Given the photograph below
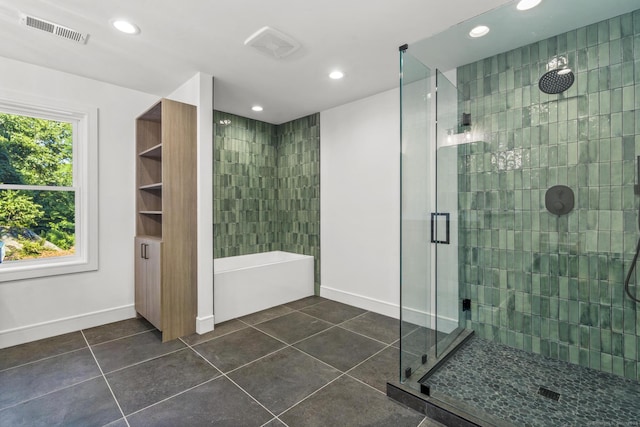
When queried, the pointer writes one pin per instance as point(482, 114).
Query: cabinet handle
point(146, 255)
point(142, 250)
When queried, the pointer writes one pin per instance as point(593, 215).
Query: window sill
point(41, 268)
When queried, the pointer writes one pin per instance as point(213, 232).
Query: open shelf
point(154, 152)
point(156, 186)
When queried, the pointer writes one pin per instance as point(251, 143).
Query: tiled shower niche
point(266, 187)
point(553, 285)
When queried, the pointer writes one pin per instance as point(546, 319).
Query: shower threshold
point(492, 384)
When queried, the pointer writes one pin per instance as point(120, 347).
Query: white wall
point(199, 91)
point(360, 203)
point(33, 309)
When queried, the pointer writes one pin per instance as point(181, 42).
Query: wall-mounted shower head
point(558, 77)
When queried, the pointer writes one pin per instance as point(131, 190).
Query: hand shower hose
point(628, 279)
point(636, 190)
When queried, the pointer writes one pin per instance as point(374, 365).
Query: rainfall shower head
point(558, 77)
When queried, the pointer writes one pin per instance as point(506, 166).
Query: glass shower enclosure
point(519, 219)
point(429, 273)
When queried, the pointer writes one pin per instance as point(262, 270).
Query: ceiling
point(453, 47)
point(360, 37)
point(180, 38)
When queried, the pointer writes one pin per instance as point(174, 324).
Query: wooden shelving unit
point(166, 230)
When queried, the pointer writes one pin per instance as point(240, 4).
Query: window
point(48, 186)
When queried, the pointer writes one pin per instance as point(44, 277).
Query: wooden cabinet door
point(140, 277)
point(148, 280)
point(153, 283)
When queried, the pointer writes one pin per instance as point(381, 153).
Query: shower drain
point(549, 394)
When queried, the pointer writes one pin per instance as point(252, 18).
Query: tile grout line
point(287, 345)
point(293, 348)
point(49, 392)
point(174, 395)
point(81, 331)
point(368, 358)
point(215, 338)
point(293, 310)
point(119, 338)
point(342, 374)
point(292, 345)
point(249, 363)
point(363, 335)
point(146, 360)
point(106, 381)
point(232, 381)
point(44, 358)
point(331, 326)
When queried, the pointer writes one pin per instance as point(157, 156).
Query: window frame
point(84, 122)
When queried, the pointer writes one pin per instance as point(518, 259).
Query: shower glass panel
point(429, 261)
point(449, 134)
point(417, 302)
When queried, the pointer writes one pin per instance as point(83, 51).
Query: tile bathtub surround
point(245, 186)
point(267, 187)
point(546, 284)
point(243, 375)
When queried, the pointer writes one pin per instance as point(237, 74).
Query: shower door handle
point(436, 219)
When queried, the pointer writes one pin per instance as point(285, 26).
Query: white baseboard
point(24, 334)
point(417, 317)
point(204, 324)
point(361, 301)
point(428, 320)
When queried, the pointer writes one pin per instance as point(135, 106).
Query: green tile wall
point(244, 186)
point(547, 284)
point(267, 187)
point(299, 188)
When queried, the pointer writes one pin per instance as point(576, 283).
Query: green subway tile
point(531, 262)
point(595, 343)
point(606, 362)
point(630, 369)
point(630, 347)
point(617, 344)
point(605, 341)
point(614, 28)
point(617, 366)
point(627, 73)
point(628, 98)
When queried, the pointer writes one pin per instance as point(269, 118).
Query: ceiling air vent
point(272, 42)
point(53, 28)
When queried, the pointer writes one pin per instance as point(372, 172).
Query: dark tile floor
point(313, 362)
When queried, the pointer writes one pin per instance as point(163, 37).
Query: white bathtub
point(248, 283)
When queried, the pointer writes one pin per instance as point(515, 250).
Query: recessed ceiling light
point(125, 26)
point(479, 31)
point(336, 75)
point(257, 108)
point(527, 4)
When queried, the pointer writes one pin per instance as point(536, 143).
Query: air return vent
point(272, 43)
point(53, 28)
